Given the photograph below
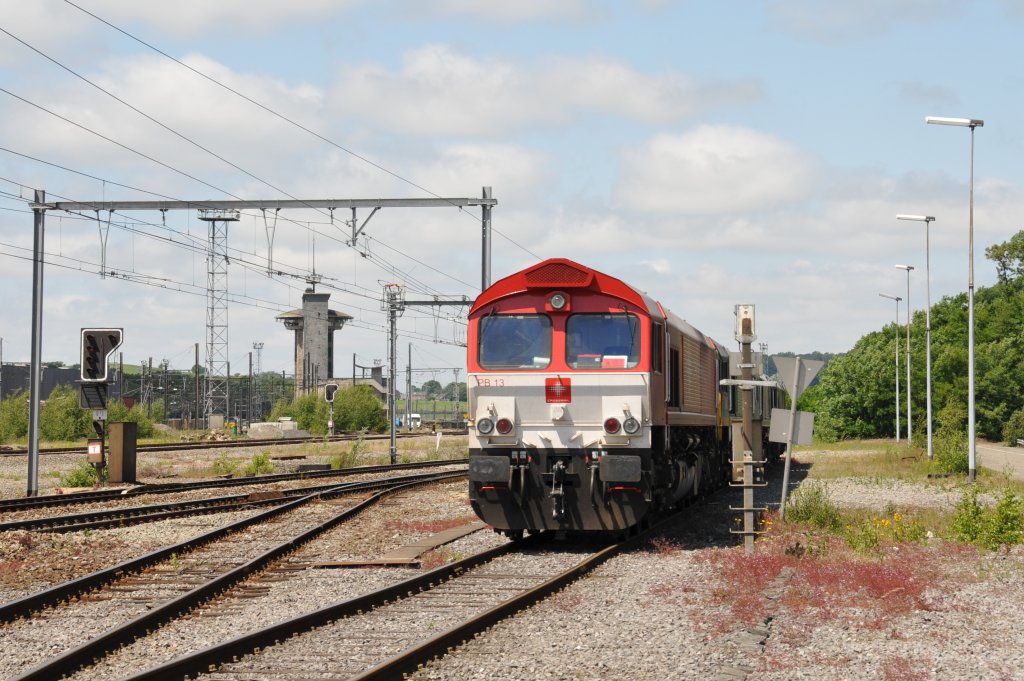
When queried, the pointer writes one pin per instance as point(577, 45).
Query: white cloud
point(191, 17)
point(440, 91)
point(713, 170)
point(519, 11)
point(827, 21)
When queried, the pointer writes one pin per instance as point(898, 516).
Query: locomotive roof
point(564, 274)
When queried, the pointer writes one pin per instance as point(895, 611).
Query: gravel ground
point(689, 604)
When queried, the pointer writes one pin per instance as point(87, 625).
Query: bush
point(83, 475)
point(61, 419)
point(355, 409)
point(14, 417)
point(1014, 428)
point(224, 465)
point(989, 527)
point(951, 438)
point(260, 464)
point(118, 412)
point(358, 408)
point(811, 504)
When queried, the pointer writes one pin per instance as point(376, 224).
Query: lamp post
point(897, 299)
point(972, 445)
point(908, 268)
point(927, 220)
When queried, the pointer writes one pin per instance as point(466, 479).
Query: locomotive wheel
point(514, 535)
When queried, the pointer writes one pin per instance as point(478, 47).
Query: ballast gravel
point(687, 604)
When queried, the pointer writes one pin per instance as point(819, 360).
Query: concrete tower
point(314, 326)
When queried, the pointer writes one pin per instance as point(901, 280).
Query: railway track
point(396, 629)
point(142, 594)
point(228, 444)
point(103, 495)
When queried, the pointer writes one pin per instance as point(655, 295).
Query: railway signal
point(97, 345)
point(329, 391)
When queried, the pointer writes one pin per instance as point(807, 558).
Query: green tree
point(358, 408)
point(856, 395)
point(14, 417)
point(1008, 257)
point(60, 417)
point(310, 412)
point(454, 392)
point(432, 390)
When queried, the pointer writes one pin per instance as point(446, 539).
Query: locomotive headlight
point(484, 426)
point(504, 426)
point(558, 301)
point(631, 426)
point(612, 425)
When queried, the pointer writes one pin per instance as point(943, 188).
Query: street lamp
point(897, 299)
point(972, 451)
point(927, 220)
point(909, 313)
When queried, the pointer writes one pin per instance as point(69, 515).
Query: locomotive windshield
point(521, 341)
point(602, 341)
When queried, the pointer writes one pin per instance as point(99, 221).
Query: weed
point(869, 534)
point(567, 601)
point(350, 459)
point(224, 465)
point(902, 669)
point(11, 568)
point(83, 475)
point(260, 464)
point(434, 559)
point(989, 528)
point(665, 547)
point(26, 541)
point(811, 504)
point(426, 526)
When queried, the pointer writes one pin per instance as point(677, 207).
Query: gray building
point(314, 326)
point(16, 376)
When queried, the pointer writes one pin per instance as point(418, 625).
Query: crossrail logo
point(558, 390)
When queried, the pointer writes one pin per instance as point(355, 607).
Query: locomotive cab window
point(514, 341)
point(602, 341)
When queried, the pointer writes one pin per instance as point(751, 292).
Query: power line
point(288, 120)
point(383, 265)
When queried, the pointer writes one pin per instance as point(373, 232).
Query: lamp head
point(916, 218)
point(962, 122)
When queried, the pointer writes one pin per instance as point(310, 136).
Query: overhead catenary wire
point(288, 120)
point(192, 242)
point(387, 267)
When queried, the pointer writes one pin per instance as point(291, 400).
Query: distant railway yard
point(879, 571)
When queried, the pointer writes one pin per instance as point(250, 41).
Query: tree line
point(855, 397)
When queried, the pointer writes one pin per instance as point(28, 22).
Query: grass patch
point(875, 460)
point(350, 458)
point(224, 465)
point(82, 475)
point(260, 464)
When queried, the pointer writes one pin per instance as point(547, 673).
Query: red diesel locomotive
point(590, 405)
